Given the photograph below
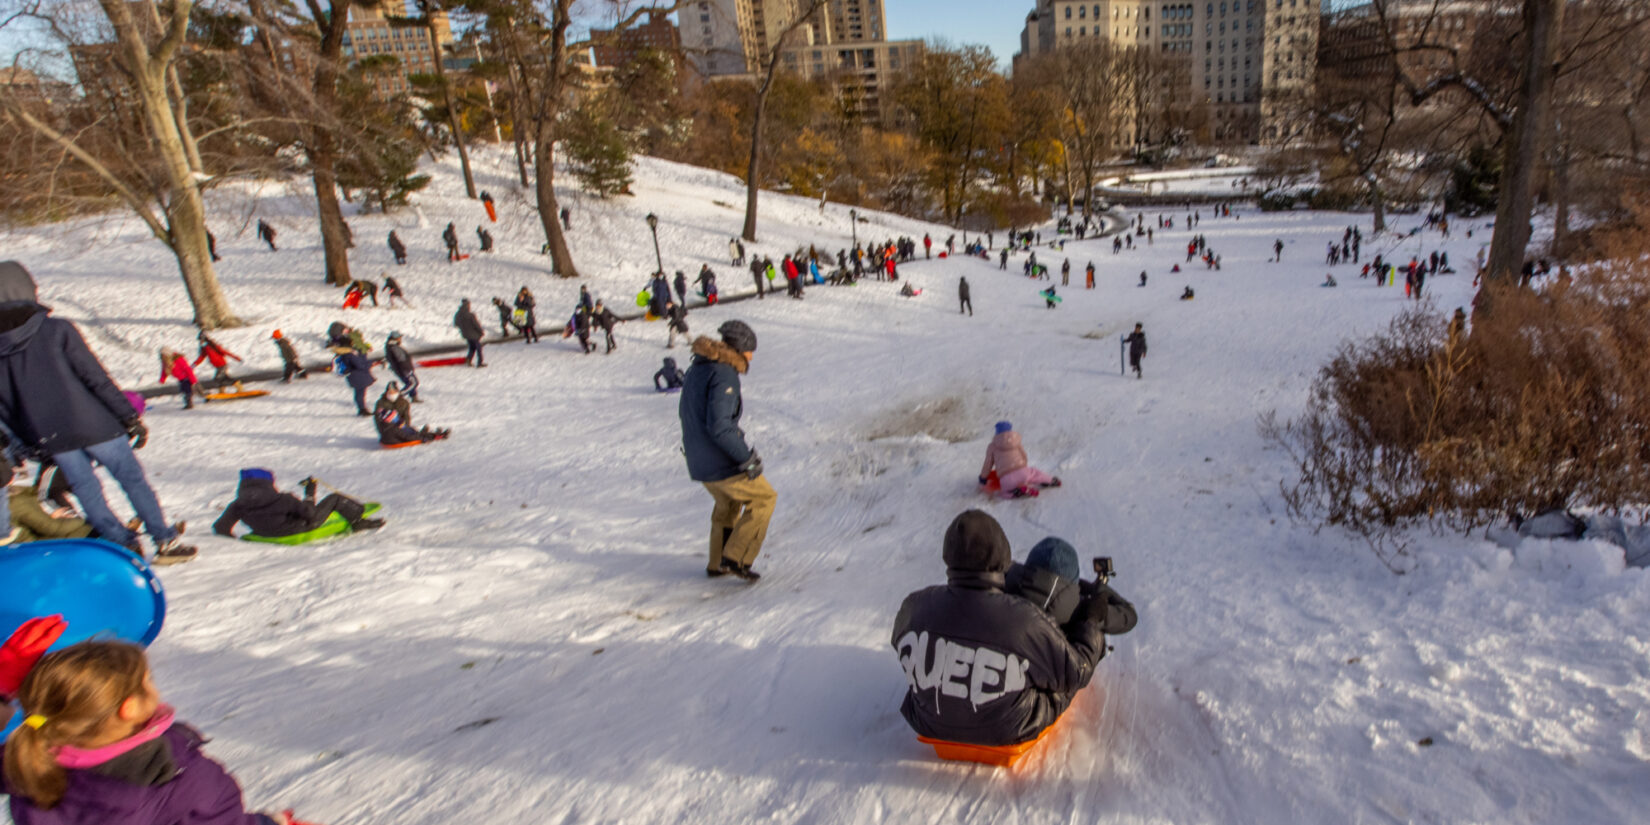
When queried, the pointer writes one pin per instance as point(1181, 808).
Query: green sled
point(333, 526)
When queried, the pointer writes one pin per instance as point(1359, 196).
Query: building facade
point(1246, 61)
point(370, 34)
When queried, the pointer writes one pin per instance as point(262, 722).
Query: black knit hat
point(975, 542)
point(739, 335)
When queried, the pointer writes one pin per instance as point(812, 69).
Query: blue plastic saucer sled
point(101, 589)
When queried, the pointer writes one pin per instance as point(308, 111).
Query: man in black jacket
point(717, 455)
point(397, 248)
point(962, 295)
point(1137, 344)
point(402, 365)
point(988, 668)
point(272, 514)
point(470, 328)
point(57, 401)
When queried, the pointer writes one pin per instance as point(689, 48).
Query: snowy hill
point(532, 640)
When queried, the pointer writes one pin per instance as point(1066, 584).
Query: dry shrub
point(1543, 403)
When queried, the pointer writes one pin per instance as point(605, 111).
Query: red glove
point(24, 648)
point(287, 816)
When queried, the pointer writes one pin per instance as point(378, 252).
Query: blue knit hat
point(257, 472)
point(1055, 556)
point(1003, 427)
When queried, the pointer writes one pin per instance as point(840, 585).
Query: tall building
point(1242, 59)
point(369, 34)
point(1351, 42)
point(843, 39)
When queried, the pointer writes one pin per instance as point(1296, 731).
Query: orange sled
point(1003, 756)
point(402, 444)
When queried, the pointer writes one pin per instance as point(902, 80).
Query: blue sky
point(994, 23)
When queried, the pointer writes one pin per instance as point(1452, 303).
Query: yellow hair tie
point(34, 721)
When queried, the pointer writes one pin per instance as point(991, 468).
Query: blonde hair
point(77, 690)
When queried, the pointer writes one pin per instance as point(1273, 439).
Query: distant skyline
point(992, 23)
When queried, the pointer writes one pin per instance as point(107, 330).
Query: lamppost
point(653, 225)
point(853, 220)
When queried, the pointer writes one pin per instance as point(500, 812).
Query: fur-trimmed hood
point(714, 350)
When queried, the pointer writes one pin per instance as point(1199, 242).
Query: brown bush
point(1543, 403)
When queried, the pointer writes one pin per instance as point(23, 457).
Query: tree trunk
point(1543, 23)
point(1561, 202)
point(322, 146)
point(521, 154)
point(1378, 201)
point(453, 121)
point(754, 166)
point(185, 213)
point(544, 167)
point(323, 161)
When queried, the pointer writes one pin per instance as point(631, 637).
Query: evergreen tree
point(597, 152)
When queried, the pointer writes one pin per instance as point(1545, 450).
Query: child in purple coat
point(98, 747)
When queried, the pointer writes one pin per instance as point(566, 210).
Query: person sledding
point(393, 415)
point(1005, 457)
point(909, 291)
point(988, 668)
point(273, 514)
point(214, 352)
point(97, 745)
point(668, 378)
point(29, 519)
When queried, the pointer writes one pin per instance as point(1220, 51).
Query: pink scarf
point(72, 757)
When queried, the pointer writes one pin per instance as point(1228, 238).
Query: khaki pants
point(739, 522)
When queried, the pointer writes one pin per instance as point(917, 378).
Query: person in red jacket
point(214, 352)
point(173, 364)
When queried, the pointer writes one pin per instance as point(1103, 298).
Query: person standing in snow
point(470, 328)
point(1137, 342)
point(581, 327)
point(486, 239)
point(658, 291)
point(1277, 250)
point(733, 252)
point(1088, 276)
point(1065, 273)
point(706, 283)
point(57, 402)
point(676, 323)
point(585, 300)
point(964, 303)
point(525, 303)
point(402, 364)
point(353, 365)
point(398, 249)
point(449, 236)
point(266, 233)
point(566, 219)
point(1027, 665)
point(505, 317)
point(680, 284)
point(718, 455)
point(174, 365)
point(605, 319)
point(214, 352)
point(289, 359)
point(1002, 260)
point(927, 246)
point(756, 275)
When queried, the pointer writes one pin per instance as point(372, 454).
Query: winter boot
point(366, 524)
point(173, 551)
point(1023, 492)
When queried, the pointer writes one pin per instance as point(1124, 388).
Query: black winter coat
point(468, 325)
point(962, 289)
point(268, 511)
point(399, 360)
point(710, 408)
point(1137, 345)
point(54, 394)
point(288, 354)
point(985, 667)
point(1056, 595)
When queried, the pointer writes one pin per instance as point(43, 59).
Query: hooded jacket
point(167, 779)
point(1005, 455)
point(400, 362)
point(394, 420)
point(54, 394)
point(357, 369)
point(33, 523)
point(268, 511)
point(985, 667)
point(710, 408)
point(468, 325)
point(1056, 595)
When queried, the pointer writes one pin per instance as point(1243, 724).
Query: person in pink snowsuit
point(1008, 459)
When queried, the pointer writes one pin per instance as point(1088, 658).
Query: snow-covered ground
point(531, 639)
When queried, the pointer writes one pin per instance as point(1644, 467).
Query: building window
point(1082, 31)
point(1068, 12)
point(1082, 12)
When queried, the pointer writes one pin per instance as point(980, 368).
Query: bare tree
point(770, 65)
point(171, 206)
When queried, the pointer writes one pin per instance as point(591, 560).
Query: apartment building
point(370, 34)
point(1244, 60)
